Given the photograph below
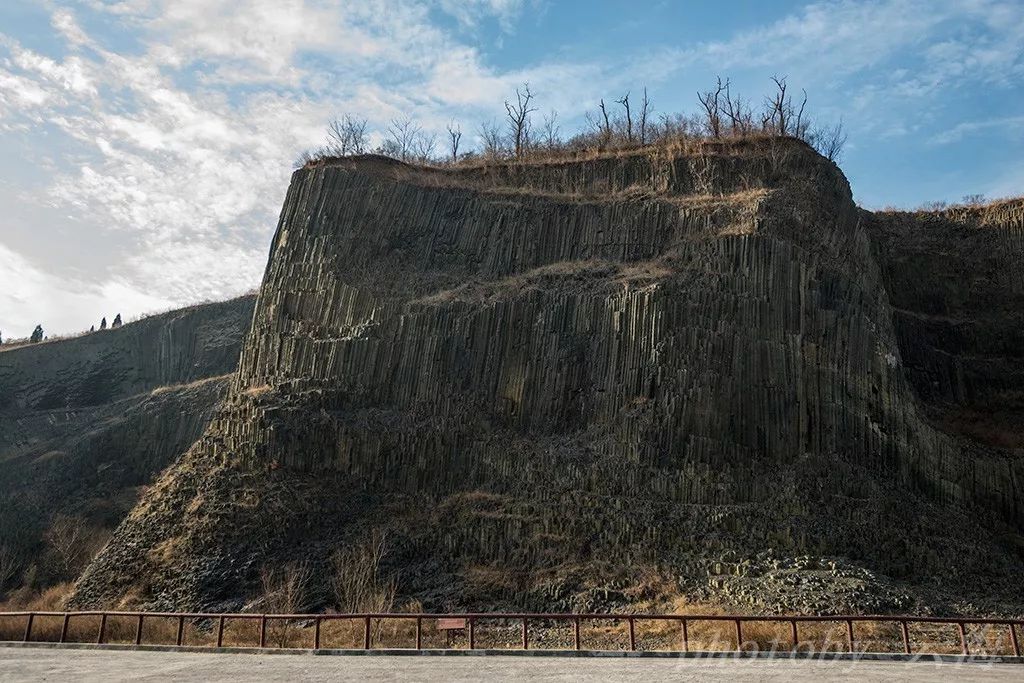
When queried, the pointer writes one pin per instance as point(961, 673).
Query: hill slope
point(548, 383)
point(87, 423)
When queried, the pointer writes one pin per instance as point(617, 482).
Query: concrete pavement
point(37, 664)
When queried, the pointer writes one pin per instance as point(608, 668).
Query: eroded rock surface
point(86, 423)
point(539, 378)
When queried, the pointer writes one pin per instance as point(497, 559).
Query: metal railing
point(216, 622)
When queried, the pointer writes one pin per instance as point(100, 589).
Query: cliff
point(87, 423)
point(544, 381)
point(957, 292)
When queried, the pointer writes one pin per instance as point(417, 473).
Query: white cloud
point(31, 296)
point(471, 12)
point(179, 147)
point(1008, 125)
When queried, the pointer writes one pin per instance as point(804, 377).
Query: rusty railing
point(468, 624)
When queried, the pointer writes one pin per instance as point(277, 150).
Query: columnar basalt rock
point(86, 423)
point(679, 358)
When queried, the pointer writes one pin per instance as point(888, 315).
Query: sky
point(146, 145)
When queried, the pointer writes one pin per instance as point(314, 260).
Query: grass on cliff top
point(979, 210)
point(684, 145)
point(22, 342)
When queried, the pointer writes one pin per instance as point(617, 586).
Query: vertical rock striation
point(676, 357)
point(86, 423)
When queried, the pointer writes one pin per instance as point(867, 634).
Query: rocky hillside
point(956, 287)
point(87, 423)
point(546, 384)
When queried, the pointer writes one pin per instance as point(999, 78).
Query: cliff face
point(87, 423)
point(541, 378)
point(957, 291)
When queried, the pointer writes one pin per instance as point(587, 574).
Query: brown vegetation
point(723, 114)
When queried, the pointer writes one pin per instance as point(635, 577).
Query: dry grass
point(190, 385)
point(257, 391)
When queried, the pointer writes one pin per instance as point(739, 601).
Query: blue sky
point(146, 145)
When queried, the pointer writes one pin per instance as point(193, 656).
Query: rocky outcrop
point(680, 359)
point(957, 293)
point(87, 423)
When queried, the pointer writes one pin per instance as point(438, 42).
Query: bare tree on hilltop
point(519, 119)
point(780, 116)
point(346, 135)
point(624, 101)
point(454, 136)
point(549, 128)
point(723, 113)
point(401, 139)
point(713, 108)
point(490, 137)
point(645, 112)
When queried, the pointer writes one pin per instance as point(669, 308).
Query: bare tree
point(672, 126)
point(346, 135)
point(645, 112)
point(304, 158)
point(358, 582)
point(780, 116)
point(739, 114)
point(712, 108)
point(624, 101)
point(973, 199)
point(829, 141)
point(602, 125)
point(550, 129)
point(423, 146)
point(491, 140)
point(454, 136)
point(519, 119)
point(284, 591)
point(401, 139)
point(72, 543)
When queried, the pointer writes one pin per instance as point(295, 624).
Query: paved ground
point(85, 665)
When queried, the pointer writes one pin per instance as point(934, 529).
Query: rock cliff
point(543, 380)
point(86, 423)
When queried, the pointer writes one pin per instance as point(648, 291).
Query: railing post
point(103, 628)
point(796, 637)
point(263, 630)
point(181, 630)
point(963, 638)
point(632, 635)
point(419, 633)
point(576, 632)
point(366, 633)
point(28, 626)
point(472, 634)
point(220, 631)
point(849, 633)
point(138, 630)
point(686, 637)
point(526, 637)
point(739, 636)
point(1013, 639)
point(906, 636)
point(64, 628)
point(316, 634)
